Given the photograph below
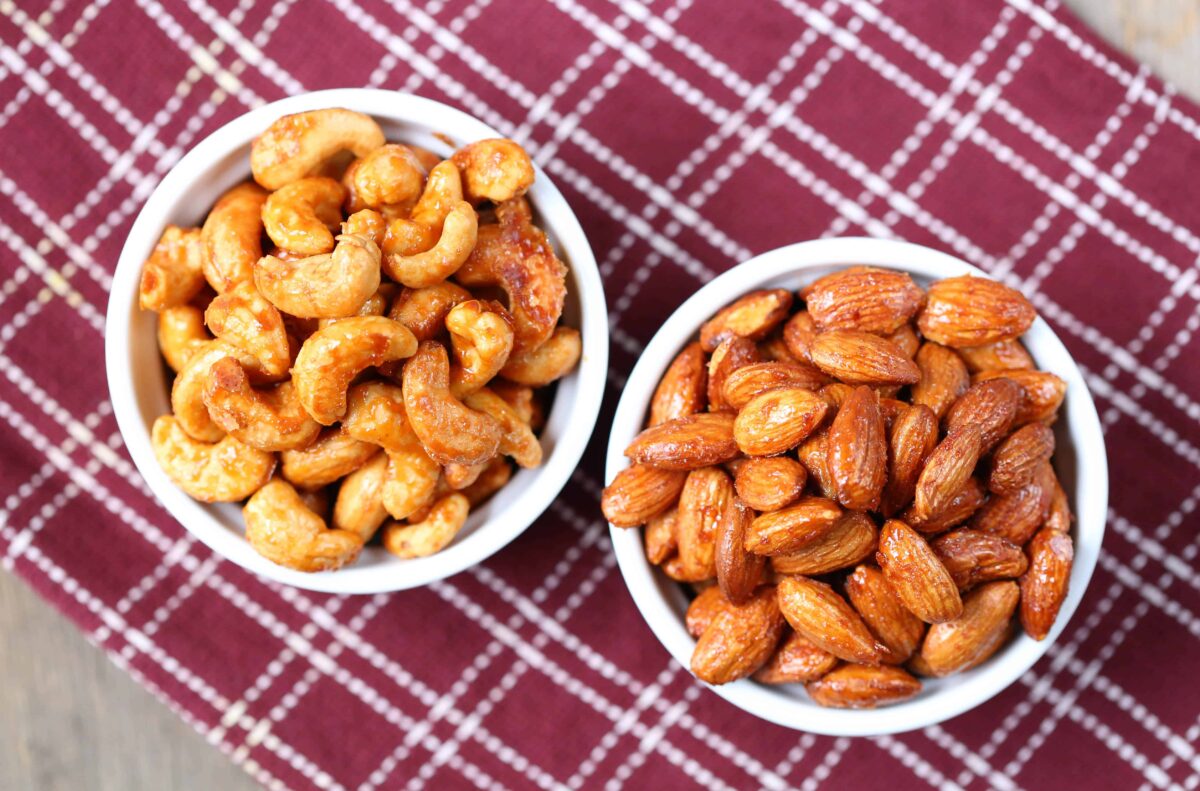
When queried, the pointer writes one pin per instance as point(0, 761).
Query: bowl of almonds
point(862, 497)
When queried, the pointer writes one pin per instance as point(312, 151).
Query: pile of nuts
point(391, 369)
point(860, 492)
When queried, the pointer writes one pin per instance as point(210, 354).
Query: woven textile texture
point(688, 135)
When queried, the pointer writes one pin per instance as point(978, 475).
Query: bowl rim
point(503, 526)
point(651, 590)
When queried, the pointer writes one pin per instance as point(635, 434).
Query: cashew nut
point(368, 223)
point(450, 431)
point(316, 500)
point(444, 258)
point(417, 232)
point(388, 175)
point(226, 471)
point(359, 506)
point(520, 397)
point(270, 419)
point(297, 145)
point(376, 305)
point(491, 480)
point(330, 285)
point(232, 236)
point(375, 414)
point(424, 310)
point(300, 216)
point(412, 479)
point(460, 476)
point(481, 338)
point(432, 534)
point(334, 455)
point(245, 320)
point(494, 170)
point(187, 394)
point(551, 361)
point(181, 334)
point(334, 355)
point(284, 530)
point(517, 439)
point(174, 272)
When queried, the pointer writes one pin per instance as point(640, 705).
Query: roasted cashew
point(297, 145)
point(520, 397)
point(551, 361)
point(368, 223)
point(491, 480)
point(300, 216)
point(389, 175)
point(270, 419)
point(481, 338)
point(232, 236)
point(334, 355)
point(375, 414)
point(181, 334)
point(359, 506)
point(222, 472)
point(433, 534)
point(187, 394)
point(284, 530)
point(517, 439)
point(424, 310)
point(330, 285)
point(418, 231)
point(494, 170)
point(245, 320)
point(444, 258)
point(460, 476)
point(412, 479)
point(174, 272)
point(334, 455)
point(450, 431)
point(376, 305)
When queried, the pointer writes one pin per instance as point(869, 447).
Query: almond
point(973, 557)
point(889, 620)
point(860, 358)
point(906, 340)
point(863, 298)
point(789, 529)
point(1018, 457)
point(747, 382)
point(675, 568)
point(862, 687)
point(739, 639)
point(853, 539)
point(738, 571)
point(943, 379)
point(660, 537)
point(774, 349)
point(770, 483)
point(1018, 515)
point(814, 455)
point(753, 317)
point(824, 618)
point(858, 451)
point(916, 574)
point(795, 661)
point(638, 493)
point(731, 355)
point(682, 391)
point(973, 311)
point(777, 420)
point(1044, 586)
point(1059, 517)
point(686, 443)
point(1043, 394)
point(913, 437)
point(960, 508)
point(976, 634)
point(991, 407)
point(703, 609)
point(946, 472)
point(999, 356)
point(798, 335)
point(702, 503)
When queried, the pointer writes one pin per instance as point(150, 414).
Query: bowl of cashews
point(357, 341)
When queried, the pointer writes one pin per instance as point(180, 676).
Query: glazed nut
point(943, 378)
point(334, 455)
point(270, 419)
point(706, 494)
point(858, 451)
point(973, 557)
point(917, 574)
point(824, 618)
point(972, 311)
point(359, 506)
point(181, 334)
point(390, 175)
point(430, 535)
point(174, 272)
point(777, 421)
point(494, 170)
point(328, 285)
point(232, 237)
point(246, 321)
point(549, 362)
point(284, 530)
point(739, 639)
point(747, 382)
point(860, 358)
point(517, 440)
point(771, 482)
point(733, 354)
point(790, 529)
point(897, 629)
point(296, 146)
point(862, 687)
point(852, 539)
point(639, 493)
point(299, 216)
point(863, 298)
point(221, 472)
point(686, 443)
point(682, 391)
point(481, 339)
point(752, 316)
point(450, 431)
point(738, 571)
point(796, 660)
point(975, 634)
point(1044, 586)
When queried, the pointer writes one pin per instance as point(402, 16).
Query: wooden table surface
point(73, 720)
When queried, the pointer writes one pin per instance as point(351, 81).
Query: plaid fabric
point(689, 135)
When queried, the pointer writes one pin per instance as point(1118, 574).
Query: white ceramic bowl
point(1080, 461)
point(139, 387)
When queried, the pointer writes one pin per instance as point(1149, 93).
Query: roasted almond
point(686, 443)
point(770, 482)
point(789, 529)
point(1044, 586)
point(682, 390)
point(973, 311)
point(814, 455)
point(998, 356)
point(1059, 516)
point(1043, 393)
point(1018, 457)
point(860, 358)
point(731, 355)
point(703, 609)
point(853, 539)
point(739, 640)
point(863, 298)
point(774, 349)
point(960, 508)
point(753, 317)
point(973, 557)
point(798, 335)
point(638, 493)
point(777, 420)
point(858, 451)
point(660, 537)
point(916, 574)
point(862, 687)
point(943, 379)
point(897, 629)
point(906, 340)
point(1017, 516)
point(976, 634)
point(738, 571)
point(914, 435)
point(991, 407)
point(824, 618)
point(706, 494)
point(795, 661)
point(747, 382)
point(946, 472)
